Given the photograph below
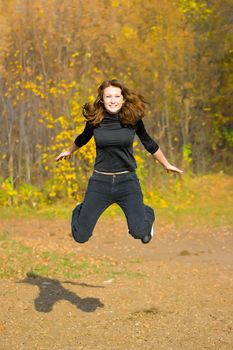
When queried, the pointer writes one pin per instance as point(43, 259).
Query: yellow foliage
point(129, 32)
point(97, 70)
point(115, 3)
point(53, 91)
point(44, 44)
point(75, 54)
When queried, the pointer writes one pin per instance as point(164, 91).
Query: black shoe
point(147, 238)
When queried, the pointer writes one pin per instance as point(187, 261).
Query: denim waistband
point(95, 173)
point(111, 180)
point(112, 173)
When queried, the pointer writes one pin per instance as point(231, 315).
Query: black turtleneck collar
point(111, 117)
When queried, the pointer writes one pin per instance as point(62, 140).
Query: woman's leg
point(140, 217)
point(86, 214)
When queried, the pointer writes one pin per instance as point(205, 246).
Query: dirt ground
point(177, 292)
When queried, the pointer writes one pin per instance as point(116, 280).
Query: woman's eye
point(113, 96)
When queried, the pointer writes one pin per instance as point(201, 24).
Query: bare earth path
point(174, 293)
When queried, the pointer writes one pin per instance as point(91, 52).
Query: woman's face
point(113, 99)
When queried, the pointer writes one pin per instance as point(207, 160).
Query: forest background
point(54, 54)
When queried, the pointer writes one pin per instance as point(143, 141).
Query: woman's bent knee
point(75, 226)
point(136, 233)
point(79, 237)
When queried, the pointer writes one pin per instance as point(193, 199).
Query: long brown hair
point(132, 110)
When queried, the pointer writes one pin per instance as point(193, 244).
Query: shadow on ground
point(51, 291)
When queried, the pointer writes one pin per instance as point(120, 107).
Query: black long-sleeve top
point(114, 143)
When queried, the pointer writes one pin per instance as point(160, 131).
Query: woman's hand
point(65, 154)
point(163, 160)
point(173, 169)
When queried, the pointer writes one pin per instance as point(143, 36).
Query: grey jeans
point(104, 190)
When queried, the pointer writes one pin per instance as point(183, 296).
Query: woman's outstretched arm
point(80, 141)
point(158, 155)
